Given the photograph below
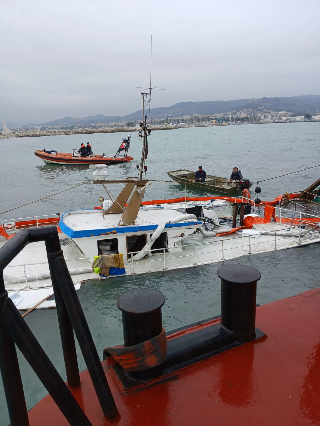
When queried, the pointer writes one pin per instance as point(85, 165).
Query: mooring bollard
point(142, 320)
point(238, 300)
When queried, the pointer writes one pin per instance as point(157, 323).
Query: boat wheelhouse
point(128, 230)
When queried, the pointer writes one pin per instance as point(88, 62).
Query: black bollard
point(142, 320)
point(238, 300)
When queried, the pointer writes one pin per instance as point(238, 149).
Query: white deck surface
point(199, 250)
point(81, 220)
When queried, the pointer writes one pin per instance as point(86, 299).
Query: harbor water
point(262, 152)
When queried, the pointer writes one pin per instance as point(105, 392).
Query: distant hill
point(293, 104)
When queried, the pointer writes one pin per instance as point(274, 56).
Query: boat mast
point(143, 124)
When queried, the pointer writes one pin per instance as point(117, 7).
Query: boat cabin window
point(160, 243)
point(108, 246)
point(135, 243)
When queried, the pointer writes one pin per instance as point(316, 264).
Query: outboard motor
point(246, 183)
point(196, 210)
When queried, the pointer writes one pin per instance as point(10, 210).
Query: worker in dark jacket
point(83, 150)
point(236, 174)
point(89, 150)
point(200, 175)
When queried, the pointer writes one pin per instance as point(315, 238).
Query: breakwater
point(56, 132)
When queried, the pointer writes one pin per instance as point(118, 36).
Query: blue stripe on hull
point(119, 230)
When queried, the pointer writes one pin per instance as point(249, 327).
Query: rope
point(287, 174)
point(144, 355)
point(44, 198)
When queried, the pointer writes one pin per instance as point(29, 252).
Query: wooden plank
point(307, 193)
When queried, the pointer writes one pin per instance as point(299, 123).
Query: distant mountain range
point(294, 104)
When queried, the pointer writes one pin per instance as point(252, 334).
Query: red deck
point(273, 381)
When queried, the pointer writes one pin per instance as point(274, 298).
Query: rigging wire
point(287, 174)
point(69, 189)
point(48, 196)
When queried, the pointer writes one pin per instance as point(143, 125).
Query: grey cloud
point(77, 59)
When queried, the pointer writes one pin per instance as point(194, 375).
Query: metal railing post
point(85, 340)
point(249, 245)
point(25, 273)
point(280, 214)
point(164, 259)
point(66, 331)
point(299, 229)
point(10, 370)
point(275, 239)
point(222, 250)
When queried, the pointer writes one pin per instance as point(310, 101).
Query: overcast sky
point(79, 58)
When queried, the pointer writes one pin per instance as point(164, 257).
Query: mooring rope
point(44, 198)
point(287, 174)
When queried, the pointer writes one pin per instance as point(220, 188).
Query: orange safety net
point(40, 222)
point(296, 221)
point(4, 233)
point(139, 357)
point(269, 213)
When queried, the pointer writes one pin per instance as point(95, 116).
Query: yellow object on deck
point(102, 264)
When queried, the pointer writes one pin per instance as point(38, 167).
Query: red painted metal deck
point(272, 381)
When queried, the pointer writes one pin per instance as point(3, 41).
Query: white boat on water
point(157, 236)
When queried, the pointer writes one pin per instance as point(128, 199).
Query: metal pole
point(25, 273)
point(241, 214)
point(164, 259)
point(222, 250)
point(249, 245)
point(235, 210)
point(275, 240)
point(185, 195)
point(299, 229)
point(132, 263)
point(194, 255)
point(66, 331)
point(85, 340)
point(43, 367)
point(10, 370)
point(280, 214)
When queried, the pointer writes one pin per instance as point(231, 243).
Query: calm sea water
point(260, 151)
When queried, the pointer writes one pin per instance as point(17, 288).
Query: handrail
point(14, 331)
